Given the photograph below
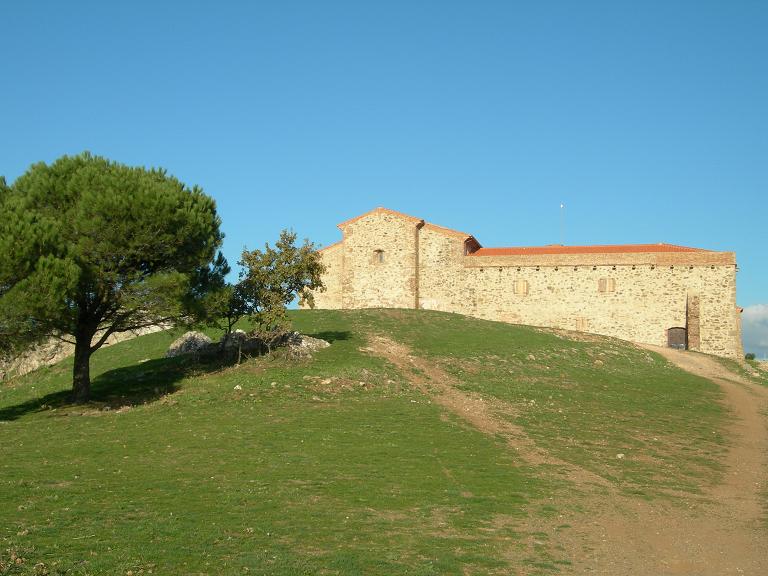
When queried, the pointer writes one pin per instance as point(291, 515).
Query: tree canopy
point(90, 247)
point(271, 279)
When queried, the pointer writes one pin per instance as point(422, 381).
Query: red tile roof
point(531, 250)
point(606, 249)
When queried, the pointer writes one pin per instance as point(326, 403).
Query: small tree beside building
point(274, 277)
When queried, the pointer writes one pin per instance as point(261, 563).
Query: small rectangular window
point(520, 287)
point(606, 285)
point(378, 256)
point(581, 324)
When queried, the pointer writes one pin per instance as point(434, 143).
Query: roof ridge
point(587, 249)
point(432, 226)
point(453, 231)
point(601, 245)
point(379, 209)
point(337, 243)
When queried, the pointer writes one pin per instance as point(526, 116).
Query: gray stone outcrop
point(191, 342)
point(54, 350)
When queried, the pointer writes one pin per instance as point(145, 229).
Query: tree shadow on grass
point(127, 386)
point(140, 383)
point(332, 336)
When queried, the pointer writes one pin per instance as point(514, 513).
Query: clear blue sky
point(649, 120)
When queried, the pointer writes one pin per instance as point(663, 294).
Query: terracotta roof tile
point(605, 249)
point(533, 250)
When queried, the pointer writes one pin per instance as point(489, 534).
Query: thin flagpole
point(562, 223)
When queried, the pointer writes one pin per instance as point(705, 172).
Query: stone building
point(653, 293)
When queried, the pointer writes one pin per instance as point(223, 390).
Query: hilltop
point(417, 443)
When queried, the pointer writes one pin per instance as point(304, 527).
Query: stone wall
point(379, 262)
point(442, 282)
point(332, 257)
point(637, 303)
point(635, 297)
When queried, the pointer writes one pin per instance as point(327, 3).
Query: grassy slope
point(758, 373)
point(361, 475)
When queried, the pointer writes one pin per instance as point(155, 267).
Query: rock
point(620, 456)
point(598, 362)
point(234, 339)
point(531, 357)
point(303, 346)
point(295, 344)
point(190, 343)
point(307, 342)
point(54, 350)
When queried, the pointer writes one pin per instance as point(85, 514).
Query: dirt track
point(721, 534)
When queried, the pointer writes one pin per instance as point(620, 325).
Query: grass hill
point(358, 461)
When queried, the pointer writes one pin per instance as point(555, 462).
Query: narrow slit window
point(378, 256)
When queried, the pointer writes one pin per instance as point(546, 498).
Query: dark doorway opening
point(677, 338)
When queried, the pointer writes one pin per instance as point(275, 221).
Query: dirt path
point(743, 490)
point(484, 414)
point(720, 534)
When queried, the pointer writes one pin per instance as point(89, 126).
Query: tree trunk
point(81, 373)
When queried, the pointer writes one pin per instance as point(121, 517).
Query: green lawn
point(333, 465)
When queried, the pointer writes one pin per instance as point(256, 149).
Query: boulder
point(190, 343)
point(235, 339)
point(303, 346)
point(297, 345)
point(309, 343)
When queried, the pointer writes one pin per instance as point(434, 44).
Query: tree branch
point(115, 329)
point(100, 342)
point(62, 339)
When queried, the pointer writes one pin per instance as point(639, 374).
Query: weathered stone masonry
point(392, 260)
